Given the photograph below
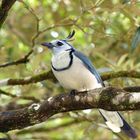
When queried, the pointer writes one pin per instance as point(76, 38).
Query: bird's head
point(58, 46)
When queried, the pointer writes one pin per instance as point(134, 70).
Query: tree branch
point(108, 98)
point(31, 98)
point(35, 130)
point(49, 76)
point(23, 60)
point(112, 75)
point(4, 9)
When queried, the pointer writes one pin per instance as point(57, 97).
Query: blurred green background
point(104, 32)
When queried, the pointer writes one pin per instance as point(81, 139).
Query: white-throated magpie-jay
point(75, 71)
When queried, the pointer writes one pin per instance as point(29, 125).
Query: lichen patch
point(50, 99)
point(77, 98)
point(89, 98)
point(34, 106)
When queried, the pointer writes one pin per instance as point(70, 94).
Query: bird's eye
point(59, 43)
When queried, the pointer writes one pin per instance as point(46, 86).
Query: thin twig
point(25, 59)
point(19, 97)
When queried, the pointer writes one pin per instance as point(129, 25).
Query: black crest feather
point(71, 34)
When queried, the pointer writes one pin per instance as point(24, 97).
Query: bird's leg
point(76, 92)
point(73, 92)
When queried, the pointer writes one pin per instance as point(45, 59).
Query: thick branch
point(4, 9)
point(49, 76)
point(108, 98)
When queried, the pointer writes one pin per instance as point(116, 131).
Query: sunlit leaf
point(122, 59)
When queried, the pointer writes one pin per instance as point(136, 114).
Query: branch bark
point(112, 75)
point(108, 98)
point(49, 76)
point(4, 9)
point(22, 60)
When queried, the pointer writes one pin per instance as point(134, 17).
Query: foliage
point(136, 39)
point(104, 32)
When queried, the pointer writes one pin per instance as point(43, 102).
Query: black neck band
point(69, 65)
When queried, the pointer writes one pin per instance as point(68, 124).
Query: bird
point(75, 71)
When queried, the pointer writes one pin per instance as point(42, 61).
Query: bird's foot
point(73, 92)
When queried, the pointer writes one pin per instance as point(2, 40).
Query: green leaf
point(125, 1)
point(135, 40)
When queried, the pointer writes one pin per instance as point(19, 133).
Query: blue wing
point(89, 66)
point(126, 127)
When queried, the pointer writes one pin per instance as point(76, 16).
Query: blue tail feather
point(127, 129)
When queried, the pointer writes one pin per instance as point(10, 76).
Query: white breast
point(61, 60)
point(77, 77)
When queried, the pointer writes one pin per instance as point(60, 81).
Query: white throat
point(61, 60)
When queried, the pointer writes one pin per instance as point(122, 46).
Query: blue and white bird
point(75, 71)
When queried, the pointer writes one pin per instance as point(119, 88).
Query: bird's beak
point(48, 45)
